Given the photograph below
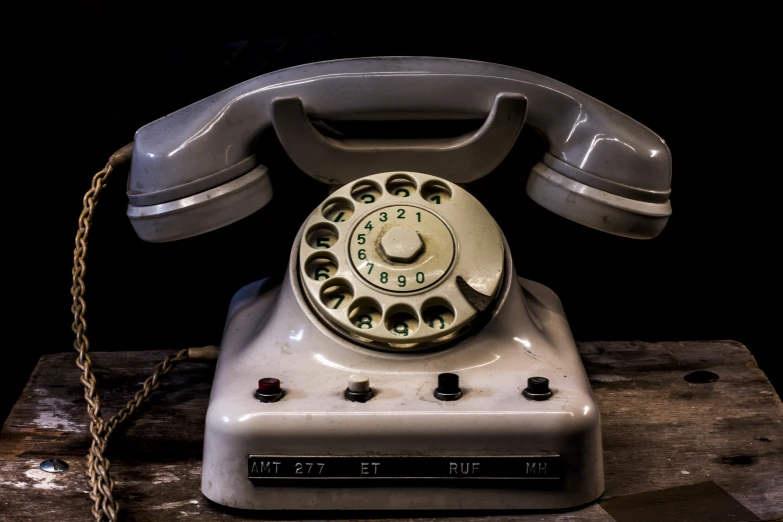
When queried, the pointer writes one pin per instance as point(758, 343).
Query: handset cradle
point(462, 160)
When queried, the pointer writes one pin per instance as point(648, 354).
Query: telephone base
point(403, 449)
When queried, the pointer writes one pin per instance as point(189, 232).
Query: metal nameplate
point(266, 470)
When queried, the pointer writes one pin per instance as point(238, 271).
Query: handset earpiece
point(204, 211)
point(640, 217)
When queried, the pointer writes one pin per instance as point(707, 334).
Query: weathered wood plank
point(659, 432)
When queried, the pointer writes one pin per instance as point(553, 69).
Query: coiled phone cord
point(105, 507)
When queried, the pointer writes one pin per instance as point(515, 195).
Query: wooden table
point(659, 432)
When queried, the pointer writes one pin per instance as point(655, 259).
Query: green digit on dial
point(401, 329)
point(438, 318)
point(364, 320)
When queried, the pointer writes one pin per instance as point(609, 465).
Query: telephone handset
point(401, 350)
point(196, 169)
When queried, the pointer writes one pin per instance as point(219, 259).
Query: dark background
point(708, 276)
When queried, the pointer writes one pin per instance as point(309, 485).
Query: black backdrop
point(708, 276)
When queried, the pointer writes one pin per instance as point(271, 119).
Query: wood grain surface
point(659, 431)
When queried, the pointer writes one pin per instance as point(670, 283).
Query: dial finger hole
point(321, 267)
point(366, 192)
point(337, 294)
point(438, 314)
point(401, 320)
point(401, 185)
point(436, 192)
point(322, 235)
point(365, 314)
point(337, 210)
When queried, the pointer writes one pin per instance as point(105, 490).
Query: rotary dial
point(400, 260)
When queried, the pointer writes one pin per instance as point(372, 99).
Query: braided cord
point(104, 507)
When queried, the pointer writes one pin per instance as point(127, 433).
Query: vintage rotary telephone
point(402, 363)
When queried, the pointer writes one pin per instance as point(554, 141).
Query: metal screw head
point(54, 466)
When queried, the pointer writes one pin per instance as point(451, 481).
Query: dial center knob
point(401, 244)
point(401, 248)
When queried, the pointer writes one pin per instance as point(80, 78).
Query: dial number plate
point(425, 269)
